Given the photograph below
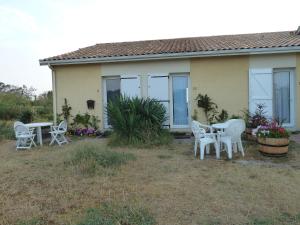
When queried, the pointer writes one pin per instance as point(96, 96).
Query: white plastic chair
point(58, 133)
point(204, 139)
point(25, 137)
point(231, 137)
point(31, 129)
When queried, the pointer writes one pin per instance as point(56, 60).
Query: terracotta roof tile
point(184, 45)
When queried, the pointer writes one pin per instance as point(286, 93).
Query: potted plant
point(273, 139)
point(255, 120)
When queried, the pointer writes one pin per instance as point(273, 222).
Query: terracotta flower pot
point(273, 146)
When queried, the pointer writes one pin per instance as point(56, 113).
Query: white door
point(261, 90)
point(130, 86)
point(158, 88)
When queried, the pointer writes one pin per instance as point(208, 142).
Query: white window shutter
point(158, 88)
point(261, 90)
point(130, 86)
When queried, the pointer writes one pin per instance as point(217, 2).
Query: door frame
point(171, 75)
point(292, 95)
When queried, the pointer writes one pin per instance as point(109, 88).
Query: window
point(112, 90)
point(282, 96)
point(180, 100)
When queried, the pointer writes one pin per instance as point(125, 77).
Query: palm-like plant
point(136, 120)
point(209, 107)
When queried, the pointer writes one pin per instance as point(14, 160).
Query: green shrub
point(26, 116)
point(165, 138)
point(6, 130)
point(86, 120)
point(112, 214)
point(15, 100)
point(11, 105)
point(88, 158)
point(136, 120)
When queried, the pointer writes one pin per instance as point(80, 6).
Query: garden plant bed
point(175, 188)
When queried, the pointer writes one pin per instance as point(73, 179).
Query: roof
point(194, 46)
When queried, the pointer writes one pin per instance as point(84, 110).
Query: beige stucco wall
point(78, 83)
point(224, 79)
point(273, 61)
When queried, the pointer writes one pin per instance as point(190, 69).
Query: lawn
point(42, 186)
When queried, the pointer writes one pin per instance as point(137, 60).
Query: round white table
point(220, 126)
point(38, 127)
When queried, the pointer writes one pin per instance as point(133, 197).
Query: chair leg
point(53, 138)
point(235, 147)
point(195, 148)
point(240, 147)
point(208, 149)
point(229, 149)
point(32, 141)
point(65, 139)
point(202, 148)
point(217, 147)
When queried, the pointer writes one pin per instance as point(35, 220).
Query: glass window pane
point(112, 92)
point(282, 96)
point(112, 89)
point(180, 105)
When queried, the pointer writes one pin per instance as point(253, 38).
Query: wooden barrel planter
point(249, 135)
point(273, 146)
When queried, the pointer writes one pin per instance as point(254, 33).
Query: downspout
point(54, 95)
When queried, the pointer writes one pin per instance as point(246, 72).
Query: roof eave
point(183, 55)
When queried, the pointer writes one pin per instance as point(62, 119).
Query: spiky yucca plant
point(136, 120)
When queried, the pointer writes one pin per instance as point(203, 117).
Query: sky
point(34, 29)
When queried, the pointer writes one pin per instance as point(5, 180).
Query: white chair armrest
point(207, 126)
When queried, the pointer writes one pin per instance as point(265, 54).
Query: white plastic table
point(220, 126)
point(38, 127)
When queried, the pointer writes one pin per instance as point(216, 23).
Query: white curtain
point(282, 96)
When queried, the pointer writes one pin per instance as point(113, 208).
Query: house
point(236, 71)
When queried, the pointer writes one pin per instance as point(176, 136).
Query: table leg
point(39, 136)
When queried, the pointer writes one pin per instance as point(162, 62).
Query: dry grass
point(176, 188)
